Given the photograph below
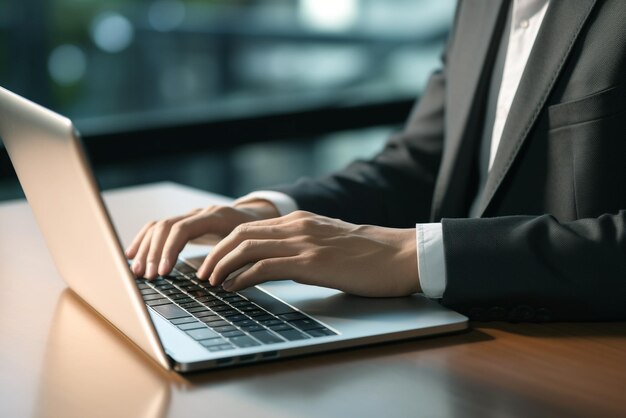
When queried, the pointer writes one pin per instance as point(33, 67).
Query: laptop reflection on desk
point(89, 371)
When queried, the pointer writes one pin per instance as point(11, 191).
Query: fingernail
point(213, 280)
point(136, 267)
point(150, 270)
point(164, 266)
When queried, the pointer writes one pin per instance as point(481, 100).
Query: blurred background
point(228, 96)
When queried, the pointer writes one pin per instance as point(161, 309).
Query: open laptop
point(181, 322)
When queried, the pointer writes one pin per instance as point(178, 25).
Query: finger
point(160, 232)
point(132, 249)
point(265, 270)
point(181, 233)
point(251, 251)
point(240, 234)
point(238, 272)
point(139, 263)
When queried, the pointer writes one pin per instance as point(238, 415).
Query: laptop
point(182, 323)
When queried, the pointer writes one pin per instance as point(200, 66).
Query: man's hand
point(358, 259)
point(156, 247)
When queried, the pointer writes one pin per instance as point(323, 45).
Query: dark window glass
point(117, 65)
point(88, 58)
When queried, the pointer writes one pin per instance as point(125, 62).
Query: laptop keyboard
point(221, 320)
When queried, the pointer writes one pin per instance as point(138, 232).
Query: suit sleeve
point(395, 187)
point(522, 268)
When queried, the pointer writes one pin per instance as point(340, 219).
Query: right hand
point(156, 247)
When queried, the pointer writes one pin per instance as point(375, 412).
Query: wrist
point(263, 209)
point(405, 259)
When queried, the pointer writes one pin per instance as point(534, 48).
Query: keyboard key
point(185, 284)
point(220, 347)
point(165, 286)
point(320, 332)
point(256, 313)
point(196, 293)
point(306, 324)
point(202, 334)
point(153, 296)
point(184, 299)
point(280, 327)
point(270, 322)
point(191, 305)
point(233, 298)
point(243, 341)
point(266, 301)
point(244, 322)
point(218, 323)
point(171, 292)
point(224, 328)
point(266, 337)
point(220, 308)
point(204, 314)
point(293, 316)
point(185, 320)
point(240, 303)
point(236, 317)
point(148, 291)
point(141, 285)
point(200, 308)
point(208, 316)
point(156, 302)
point(212, 342)
point(230, 334)
point(292, 334)
point(206, 285)
point(170, 311)
point(264, 317)
point(251, 328)
point(191, 325)
point(228, 312)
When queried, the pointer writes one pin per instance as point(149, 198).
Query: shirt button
point(523, 24)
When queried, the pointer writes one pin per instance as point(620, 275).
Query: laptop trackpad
point(360, 314)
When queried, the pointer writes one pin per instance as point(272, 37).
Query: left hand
point(311, 249)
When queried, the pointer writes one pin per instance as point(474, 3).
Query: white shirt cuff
point(283, 203)
point(430, 259)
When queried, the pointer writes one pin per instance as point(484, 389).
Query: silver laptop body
point(47, 154)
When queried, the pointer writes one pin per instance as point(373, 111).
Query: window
point(122, 64)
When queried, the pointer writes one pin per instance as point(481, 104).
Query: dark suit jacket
point(551, 240)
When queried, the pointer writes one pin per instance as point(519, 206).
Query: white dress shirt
point(526, 19)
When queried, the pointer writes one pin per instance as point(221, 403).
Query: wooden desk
point(58, 359)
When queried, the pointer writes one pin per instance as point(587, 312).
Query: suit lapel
point(466, 69)
point(560, 28)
